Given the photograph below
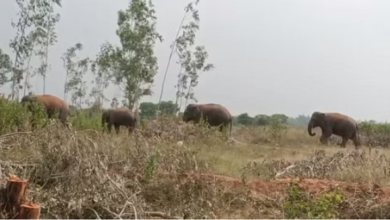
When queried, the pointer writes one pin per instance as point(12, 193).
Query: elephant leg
point(103, 128)
point(131, 129)
point(109, 127)
point(116, 126)
point(344, 142)
point(324, 138)
point(356, 141)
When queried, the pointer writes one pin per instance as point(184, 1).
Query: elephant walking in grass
point(119, 117)
point(337, 124)
point(51, 104)
point(213, 114)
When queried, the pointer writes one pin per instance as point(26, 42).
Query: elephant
point(117, 117)
point(213, 114)
point(337, 124)
point(52, 105)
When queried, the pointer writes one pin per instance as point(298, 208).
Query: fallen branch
point(284, 171)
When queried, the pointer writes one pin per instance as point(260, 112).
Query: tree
point(261, 120)
point(168, 108)
point(133, 64)
point(281, 118)
point(32, 14)
point(5, 68)
point(188, 36)
point(244, 119)
point(75, 71)
point(114, 103)
point(99, 68)
point(300, 121)
point(148, 109)
point(192, 69)
point(48, 35)
point(192, 63)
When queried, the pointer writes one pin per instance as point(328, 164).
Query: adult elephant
point(51, 104)
point(119, 117)
point(213, 114)
point(337, 124)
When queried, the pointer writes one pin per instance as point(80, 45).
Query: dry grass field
point(192, 172)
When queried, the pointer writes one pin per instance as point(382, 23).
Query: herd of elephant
point(214, 114)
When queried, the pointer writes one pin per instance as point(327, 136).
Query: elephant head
point(317, 120)
point(28, 101)
point(191, 113)
point(105, 116)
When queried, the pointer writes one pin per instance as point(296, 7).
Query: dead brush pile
point(362, 178)
point(92, 175)
point(173, 129)
point(356, 166)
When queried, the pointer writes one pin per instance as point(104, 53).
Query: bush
point(299, 204)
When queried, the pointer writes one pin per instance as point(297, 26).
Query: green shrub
point(300, 204)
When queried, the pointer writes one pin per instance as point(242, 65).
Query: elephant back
point(215, 112)
point(342, 117)
point(52, 102)
point(122, 112)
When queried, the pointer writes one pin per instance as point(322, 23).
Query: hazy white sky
point(271, 56)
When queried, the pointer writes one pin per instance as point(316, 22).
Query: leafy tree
point(187, 37)
point(75, 71)
point(261, 120)
point(244, 119)
point(168, 108)
point(5, 67)
point(192, 62)
point(192, 68)
point(300, 121)
point(99, 69)
point(31, 29)
point(133, 64)
point(281, 118)
point(114, 103)
point(148, 109)
point(46, 35)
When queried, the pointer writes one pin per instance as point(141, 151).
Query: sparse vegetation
point(269, 168)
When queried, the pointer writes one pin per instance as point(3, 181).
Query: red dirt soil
point(313, 186)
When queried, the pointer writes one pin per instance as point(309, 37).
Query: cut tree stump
point(15, 193)
point(29, 211)
point(14, 200)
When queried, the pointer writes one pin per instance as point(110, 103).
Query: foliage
point(149, 109)
point(35, 24)
point(75, 71)
point(5, 67)
point(192, 59)
point(299, 204)
point(277, 127)
point(134, 64)
point(45, 36)
point(244, 119)
point(99, 69)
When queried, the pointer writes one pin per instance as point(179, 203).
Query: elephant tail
point(231, 125)
point(358, 133)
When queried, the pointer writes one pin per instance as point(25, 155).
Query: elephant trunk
point(309, 128)
point(185, 117)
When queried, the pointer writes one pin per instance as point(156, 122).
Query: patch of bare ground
point(316, 187)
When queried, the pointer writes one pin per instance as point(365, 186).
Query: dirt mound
point(314, 186)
